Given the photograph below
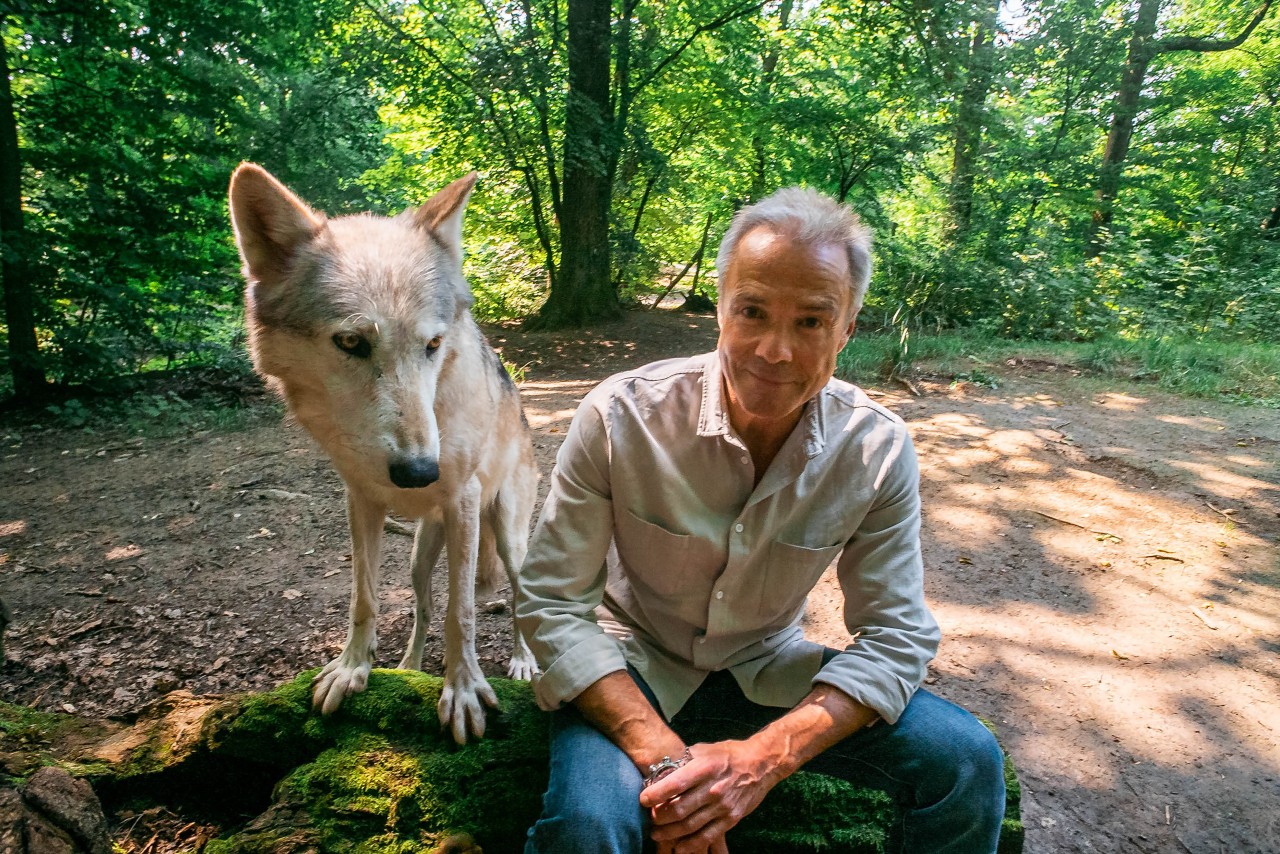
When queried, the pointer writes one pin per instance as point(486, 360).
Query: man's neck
point(763, 438)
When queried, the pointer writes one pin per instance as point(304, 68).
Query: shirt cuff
point(867, 684)
point(577, 670)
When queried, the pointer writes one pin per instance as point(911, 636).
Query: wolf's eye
point(433, 345)
point(354, 344)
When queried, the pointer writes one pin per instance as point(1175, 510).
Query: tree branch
point(701, 29)
point(1203, 45)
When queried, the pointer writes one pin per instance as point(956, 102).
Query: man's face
point(784, 315)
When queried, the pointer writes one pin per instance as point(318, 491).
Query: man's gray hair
point(809, 217)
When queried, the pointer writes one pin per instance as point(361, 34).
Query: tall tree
point(970, 116)
point(1144, 47)
point(19, 297)
point(584, 290)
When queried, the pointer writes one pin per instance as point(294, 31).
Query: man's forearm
point(822, 719)
point(615, 705)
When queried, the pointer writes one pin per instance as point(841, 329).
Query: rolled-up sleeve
point(882, 576)
point(564, 575)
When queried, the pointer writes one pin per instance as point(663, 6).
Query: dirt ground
point(1105, 564)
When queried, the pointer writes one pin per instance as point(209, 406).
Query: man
point(693, 506)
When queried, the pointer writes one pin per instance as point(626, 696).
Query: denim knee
point(592, 804)
point(964, 761)
point(591, 823)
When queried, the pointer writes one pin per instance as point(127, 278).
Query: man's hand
point(696, 805)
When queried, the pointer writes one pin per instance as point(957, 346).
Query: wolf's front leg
point(465, 688)
point(349, 672)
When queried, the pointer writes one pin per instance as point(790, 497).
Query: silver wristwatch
point(665, 766)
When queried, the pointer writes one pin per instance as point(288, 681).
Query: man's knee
point(589, 825)
point(977, 756)
point(963, 758)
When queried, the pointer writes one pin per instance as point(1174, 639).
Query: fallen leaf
point(1120, 656)
point(217, 665)
point(291, 594)
point(332, 572)
point(965, 561)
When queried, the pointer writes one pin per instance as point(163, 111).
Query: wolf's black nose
point(414, 472)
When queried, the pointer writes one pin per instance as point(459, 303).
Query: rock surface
point(52, 813)
point(380, 776)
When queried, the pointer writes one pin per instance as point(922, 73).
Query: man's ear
point(442, 213)
point(848, 332)
point(271, 223)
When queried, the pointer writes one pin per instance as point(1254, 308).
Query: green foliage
point(131, 117)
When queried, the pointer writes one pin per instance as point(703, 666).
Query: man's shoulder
point(659, 377)
point(845, 398)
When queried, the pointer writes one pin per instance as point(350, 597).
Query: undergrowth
point(1241, 373)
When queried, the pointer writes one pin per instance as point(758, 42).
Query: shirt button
point(719, 594)
point(746, 460)
point(702, 640)
point(738, 527)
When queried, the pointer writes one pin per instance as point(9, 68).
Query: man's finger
point(709, 840)
point(669, 787)
point(683, 828)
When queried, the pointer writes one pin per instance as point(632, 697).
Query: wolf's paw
point(412, 659)
point(340, 679)
point(460, 707)
point(522, 665)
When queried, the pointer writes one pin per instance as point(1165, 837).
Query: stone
point(5, 619)
point(13, 821)
point(71, 805)
point(41, 836)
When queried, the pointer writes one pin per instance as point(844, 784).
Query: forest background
point(1065, 170)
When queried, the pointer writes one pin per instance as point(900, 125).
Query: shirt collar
point(713, 416)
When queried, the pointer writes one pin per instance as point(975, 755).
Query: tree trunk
point(19, 299)
point(1143, 47)
point(1271, 225)
point(970, 120)
point(768, 73)
point(1123, 118)
point(584, 291)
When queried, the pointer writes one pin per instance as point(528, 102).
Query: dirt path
point(1105, 566)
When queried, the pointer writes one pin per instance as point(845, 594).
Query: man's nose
point(775, 345)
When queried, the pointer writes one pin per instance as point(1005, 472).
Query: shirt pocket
point(789, 576)
point(654, 557)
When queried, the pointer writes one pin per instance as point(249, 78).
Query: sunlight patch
point(16, 526)
point(122, 552)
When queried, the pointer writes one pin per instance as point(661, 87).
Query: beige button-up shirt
point(655, 548)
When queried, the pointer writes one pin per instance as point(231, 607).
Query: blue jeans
point(940, 764)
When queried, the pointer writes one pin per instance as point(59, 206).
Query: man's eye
point(353, 344)
point(810, 323)
point(433, 345)
point(752, 312)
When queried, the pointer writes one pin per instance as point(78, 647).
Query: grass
point(1242, 373)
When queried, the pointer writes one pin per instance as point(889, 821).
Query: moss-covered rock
point(381, 777)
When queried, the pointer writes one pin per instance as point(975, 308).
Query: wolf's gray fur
point(362, 323)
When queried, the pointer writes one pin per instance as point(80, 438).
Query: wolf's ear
point(442, 213)
point(271, 223)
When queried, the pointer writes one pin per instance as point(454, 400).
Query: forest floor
point(1104, 562)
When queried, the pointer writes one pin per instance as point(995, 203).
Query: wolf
point(362, 323)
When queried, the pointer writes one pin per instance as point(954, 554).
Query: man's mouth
point(778, 381)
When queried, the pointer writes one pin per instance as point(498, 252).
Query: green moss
point(380, 777)
point(30, 739)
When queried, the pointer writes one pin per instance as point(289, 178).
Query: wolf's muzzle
point(414, 472)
